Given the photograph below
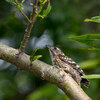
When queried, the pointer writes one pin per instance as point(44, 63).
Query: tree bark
point(63, 80)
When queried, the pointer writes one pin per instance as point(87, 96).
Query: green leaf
point(92, 40)
point(11, 2)
point(33, 53)
point(41, 0)
point(36, 57)
point(46, 11)
point(23, 1)
point(95, 76)
point(41, 16)
point(33, 57)
point(31, 4)
point(93, 19)
point(19, 6)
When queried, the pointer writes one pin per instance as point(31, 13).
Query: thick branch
point(29, 27)
point(44, 71)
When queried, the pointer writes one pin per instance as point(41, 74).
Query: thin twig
point(25, 16)
point(29, 27)
point(22, 12)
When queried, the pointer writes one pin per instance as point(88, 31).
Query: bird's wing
point(71, 63)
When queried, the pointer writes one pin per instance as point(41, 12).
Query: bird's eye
point(55, 48)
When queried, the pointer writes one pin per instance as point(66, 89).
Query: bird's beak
point(48, 46)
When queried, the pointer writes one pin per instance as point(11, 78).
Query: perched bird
point(68, 65)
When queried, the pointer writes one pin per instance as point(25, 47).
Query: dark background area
point(66, 19)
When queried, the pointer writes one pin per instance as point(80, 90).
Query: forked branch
point(29, 27)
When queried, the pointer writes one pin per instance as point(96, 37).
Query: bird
point(61, 61)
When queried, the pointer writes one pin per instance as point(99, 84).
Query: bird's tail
point(85, 82)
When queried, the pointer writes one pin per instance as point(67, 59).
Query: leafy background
point(65, 20)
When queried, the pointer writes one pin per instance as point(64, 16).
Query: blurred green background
point(65, 20)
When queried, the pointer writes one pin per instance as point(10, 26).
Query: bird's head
point(55, 51)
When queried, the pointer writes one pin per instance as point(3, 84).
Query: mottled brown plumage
point(68, 65)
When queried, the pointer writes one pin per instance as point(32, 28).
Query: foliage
point(93, 19)
point(92, 40)
point(45, 11)
point(33, 56)
point(95, 76)
point(19, 6)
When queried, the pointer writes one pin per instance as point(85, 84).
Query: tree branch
point(29, 27)
point(44, 71)
point(25, 16)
